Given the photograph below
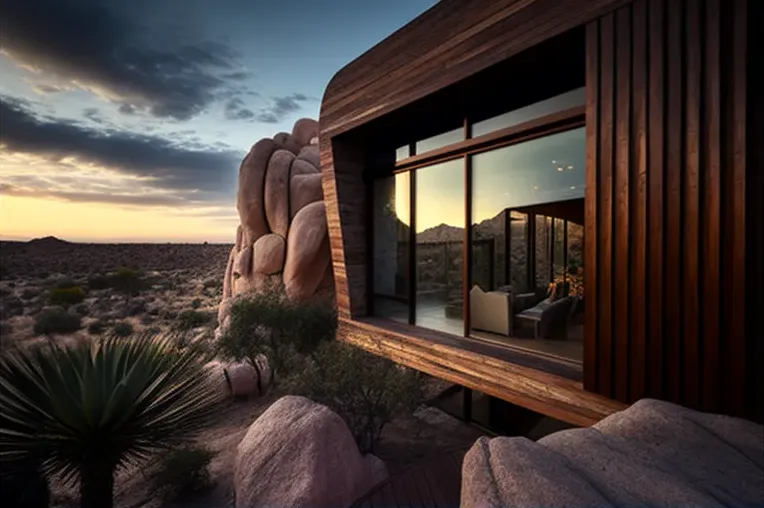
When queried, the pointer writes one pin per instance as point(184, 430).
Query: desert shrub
point(135, 307)
point(64, 283)
point(147, 319)
point(366, 390)
point(196, 303)
point(124, 280)
point(189, 319)
point(212, 284)
point(29, 293)
point(22, 485)
point(66, 297)
point(184, 472)
point(270, 324)
point(89, 409)
point(82, 309)
point(123, 329)
point(56, 320)
point(96, 327)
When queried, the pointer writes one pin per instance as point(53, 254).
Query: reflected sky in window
point(544, 170)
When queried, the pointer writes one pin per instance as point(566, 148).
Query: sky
point(127, 121)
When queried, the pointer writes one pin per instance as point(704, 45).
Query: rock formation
point(302, 454)
point(282, 239)
point(653, 453)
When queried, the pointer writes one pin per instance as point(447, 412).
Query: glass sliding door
point(439, 249)
point(527, 232)
point(391, 246)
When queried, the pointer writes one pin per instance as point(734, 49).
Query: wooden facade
point(673, 205)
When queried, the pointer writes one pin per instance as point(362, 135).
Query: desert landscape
point(170, 288)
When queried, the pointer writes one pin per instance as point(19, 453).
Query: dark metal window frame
point(561, 121)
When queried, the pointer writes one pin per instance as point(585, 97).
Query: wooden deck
point(433, 483)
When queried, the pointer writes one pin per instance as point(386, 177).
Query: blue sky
point(126, 121)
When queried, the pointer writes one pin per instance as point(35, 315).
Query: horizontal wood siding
point(668, 248)
point(450, 42)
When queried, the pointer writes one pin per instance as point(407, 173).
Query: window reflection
point(391, 247)
point(439, 141)
point(537, 110)
point(527, 236)
point(440, 246)
point(403, 152)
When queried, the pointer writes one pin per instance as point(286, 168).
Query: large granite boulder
point(300, 454)
point(653, 453)
point(282, 240)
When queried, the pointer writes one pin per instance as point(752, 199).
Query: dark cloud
point(172, 165)
point(235, 110)
point(93, 115)
point(280, 108)
point(104, 47)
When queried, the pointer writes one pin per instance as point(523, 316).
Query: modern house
point(557, 203)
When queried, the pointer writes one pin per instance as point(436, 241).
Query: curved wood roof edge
point(447, 43)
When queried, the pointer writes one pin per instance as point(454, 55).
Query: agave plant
point(87, 410)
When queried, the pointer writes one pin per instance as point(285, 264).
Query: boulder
point(269, 254)
point(308, 252)
point(301, 454)
point(228, 279)
point(311, 155)
point(653, 453)
point(277, 192)
point(242, 264)
point(304, 130)
point(286, 141)
point(303, 167)
point(303, 190)
point(243, 378)
point(219, 377)
point(249, 200)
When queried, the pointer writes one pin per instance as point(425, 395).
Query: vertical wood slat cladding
point(668, 250)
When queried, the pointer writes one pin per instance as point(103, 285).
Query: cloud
point(235, 110)
point(169, 200)
point(161, 163)
point(280, 108)
point(106, 48)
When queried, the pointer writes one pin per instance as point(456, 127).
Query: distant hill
point(48, 241)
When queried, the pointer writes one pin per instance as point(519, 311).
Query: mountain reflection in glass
point(439, 246)
point(527, 242)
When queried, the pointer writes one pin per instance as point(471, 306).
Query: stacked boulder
point(282, 239)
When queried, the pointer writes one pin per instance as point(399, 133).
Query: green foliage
point(124, 280)
point(96, 327)
point(86, 410)
point(22, 485)
point(269, 323)
point(65, 283)
point(189, 319)
point(184, 472)
point(56, 320)
point(196, 303)
point(67, 297)
point(123, 329)
point(366, 390)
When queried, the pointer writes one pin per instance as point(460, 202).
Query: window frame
point(560, 121)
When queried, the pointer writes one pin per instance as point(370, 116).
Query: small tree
point(184, 472)
point(268, 323)
point(366, 390)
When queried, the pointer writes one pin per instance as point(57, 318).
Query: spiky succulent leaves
point(104, 403)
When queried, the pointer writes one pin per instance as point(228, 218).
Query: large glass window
point(391, 225)
point(560, 102)
point(440, 246)
point(527, 243)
